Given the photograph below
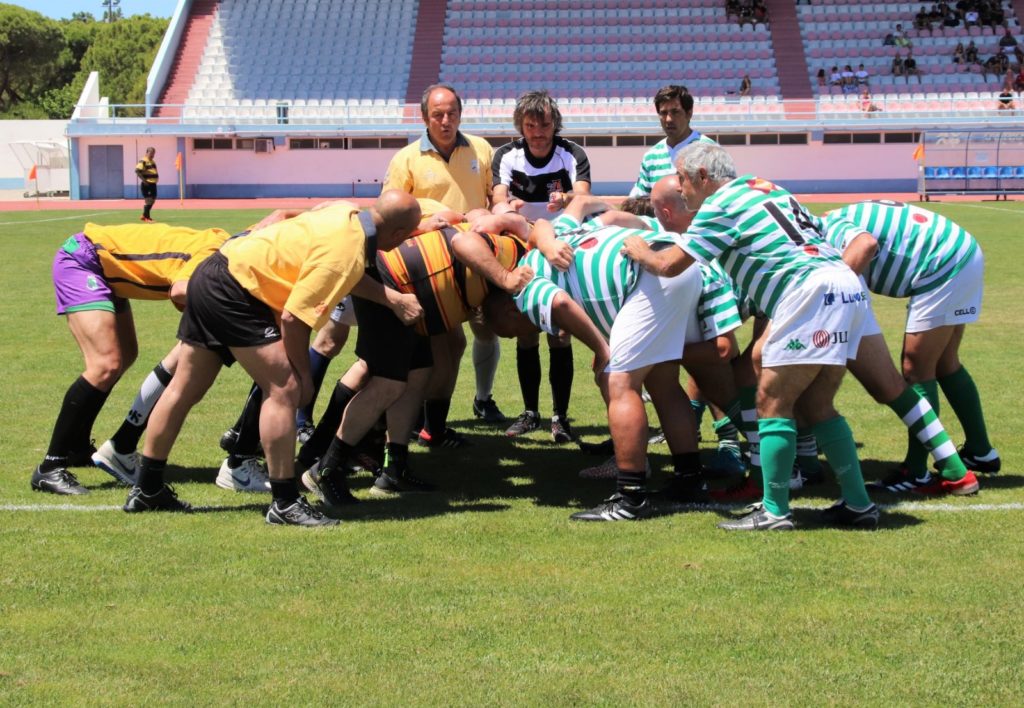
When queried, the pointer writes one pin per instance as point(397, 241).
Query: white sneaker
point(607, 470)
point(250, 476)
point(120, 467)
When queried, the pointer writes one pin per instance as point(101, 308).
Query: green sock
point(807, 450)
point(916, 460)
point(778, 450)
point(725, 430)
point(748, 414)
point(734, 411)
point(836, 440)
point(924, 425)
point(962, 394)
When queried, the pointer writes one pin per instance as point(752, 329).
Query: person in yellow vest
point(95, 273)
point(147, 172)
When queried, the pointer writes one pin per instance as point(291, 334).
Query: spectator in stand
point(760, 12)
point(971, 18)
point(822, 79)
point(745, 85)
point(1007, 43)
point(959, 55)
point(1006, 100)
point(835, 80)
point(997, 65)
point(1018, 81)
point(900, 38)
point(996, 16)
point(951, 18)
point(897, 64)
point(922, 20)
point(971, 53)
point(862, 76)
point(910, 67)
point(849, 80)
point(867, 106)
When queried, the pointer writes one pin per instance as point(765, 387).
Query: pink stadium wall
point(342, 173)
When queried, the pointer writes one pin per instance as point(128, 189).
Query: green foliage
point(484, 593)
point(28, 57)
point(44, 64)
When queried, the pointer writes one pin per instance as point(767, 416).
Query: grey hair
point(713, 158)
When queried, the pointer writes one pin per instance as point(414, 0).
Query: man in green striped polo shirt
point(764, 239)
point(675, 109)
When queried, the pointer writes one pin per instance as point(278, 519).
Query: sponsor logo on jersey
point(965, 311)
point(91, 284)
point(589, 243)
point(850, 298)
point(822, 338)
point(762, 185)
point(811, 250)
point(474, 166)
point(795, 345)
point(830, 299)
point(270, 332)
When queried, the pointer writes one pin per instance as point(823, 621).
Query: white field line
point(56, 218)
point(897, 506)
point(1018, 212)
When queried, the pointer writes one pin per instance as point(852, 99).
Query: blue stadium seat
point(1006, 172)
point(990, 172)
point(957, 173)
point(931, 172)
point(974, 173)
point(1018, 172)
point(942, 173)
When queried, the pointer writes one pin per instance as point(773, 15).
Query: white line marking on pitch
point(56, 218)
point(1018, 212)
point(897, 506)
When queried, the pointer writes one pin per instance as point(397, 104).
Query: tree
point(28, 62)
point(122, 53)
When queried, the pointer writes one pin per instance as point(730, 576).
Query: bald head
point(396, 215)
point(669, 205)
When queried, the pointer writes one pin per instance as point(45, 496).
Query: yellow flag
point(919, 152)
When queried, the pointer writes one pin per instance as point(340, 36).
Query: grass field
point(485, 593)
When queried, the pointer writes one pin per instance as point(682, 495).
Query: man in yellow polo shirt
point(256, 301)
point(453, 168)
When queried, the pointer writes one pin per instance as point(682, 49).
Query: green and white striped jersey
point(658, 162)
point(918, 250)
point(717, 310)
point(762, 237)
point(599, 279)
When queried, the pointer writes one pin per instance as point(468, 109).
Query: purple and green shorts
point(78, 279)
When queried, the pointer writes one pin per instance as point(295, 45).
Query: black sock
point(687, 464)
point(82, 403)
point(151, 474)
point(327, 426)
point(318, 364)
point(247, 444)
point(126, 439)
point(560, 373)
point(631, 485)
point(528, 368)
point(284, 491)
point(435, 415)
point(336, 456)
point(396, 456)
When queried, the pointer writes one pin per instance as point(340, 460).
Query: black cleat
point(616, 508)
point(561, 432)
point(298, 513)
point(487, 410)
point(57, 481)
point(449, 438)
point(900, 480)
point(686, 489)
point(303, 432)
point(163, 500)
point(330, 486)
point(527, 422)
point(988, 463)
point(228, 440)
point(839, 514)
point(391, 482)
point(759, 519)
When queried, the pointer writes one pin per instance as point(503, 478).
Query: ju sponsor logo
point(963, 312)
point(795, 345)
point(822, 338)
